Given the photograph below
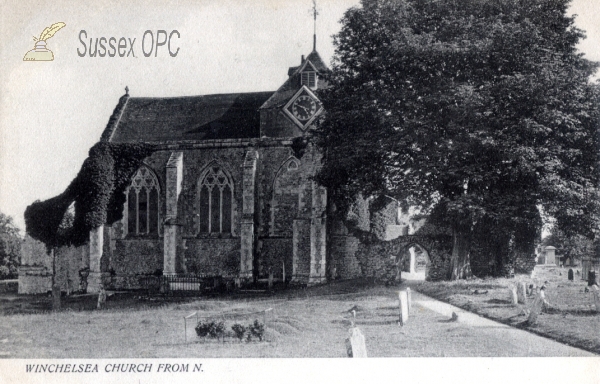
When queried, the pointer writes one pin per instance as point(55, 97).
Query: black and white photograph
point(267, 190)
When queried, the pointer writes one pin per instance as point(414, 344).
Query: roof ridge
point(115, 118)
point(193, 96)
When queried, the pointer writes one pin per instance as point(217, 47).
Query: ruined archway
point(413, 262)
point(384, 259)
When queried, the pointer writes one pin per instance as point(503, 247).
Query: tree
point(480, 108)
point(569, 247)
point(10, 247)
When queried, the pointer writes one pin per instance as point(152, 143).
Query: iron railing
point(198, 283)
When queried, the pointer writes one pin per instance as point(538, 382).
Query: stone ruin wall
point(35, 272)
point(369, 250)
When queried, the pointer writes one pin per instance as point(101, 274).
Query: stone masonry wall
point(220, 257)
point(383, 260)
point(273, 253)
point(301, 248)
point(345, 263)
point(384, 212)
point(35, 272)
point(133, 258)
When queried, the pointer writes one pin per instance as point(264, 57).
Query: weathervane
point(315, 13)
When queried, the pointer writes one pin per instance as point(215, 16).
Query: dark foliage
point(299, 145)
point(98, 194)
point(10, 248)
point(210, 329)
point(257, 329)
point(481, 108)
point(239, 331)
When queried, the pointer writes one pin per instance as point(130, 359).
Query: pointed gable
point(293, 83)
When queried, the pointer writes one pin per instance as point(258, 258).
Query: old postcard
point(190, 190)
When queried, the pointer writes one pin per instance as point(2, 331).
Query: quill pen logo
point(40, 52)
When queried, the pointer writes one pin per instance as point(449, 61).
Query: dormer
point(291, 110)
point(309, 76)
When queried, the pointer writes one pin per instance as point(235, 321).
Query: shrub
point(210, 329)
point(239, 331)
point(216, 330)
point(257, 329)
point(202, 329)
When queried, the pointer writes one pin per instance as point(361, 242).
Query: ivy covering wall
point(98, 194)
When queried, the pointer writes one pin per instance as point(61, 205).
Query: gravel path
point(495, 337)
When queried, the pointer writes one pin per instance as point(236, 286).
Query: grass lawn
point(571, 320)
point(303, 323)
point(311, 322)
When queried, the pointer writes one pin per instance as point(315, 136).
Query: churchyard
point(571, 317)
point(313, 322)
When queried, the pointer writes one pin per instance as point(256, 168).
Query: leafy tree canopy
point(10, 247)
point(483, 107)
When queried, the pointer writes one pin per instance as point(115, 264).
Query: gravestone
point(101, 297)
point(596, 293)
point(536, 307)
point(403, 299)
point(409, 297)
point(570, 275)
point(55, 297)
point(513, 296)
point(355, 344)
point(591, 278)
point(522, 293)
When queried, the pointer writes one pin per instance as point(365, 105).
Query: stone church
point(228, 192)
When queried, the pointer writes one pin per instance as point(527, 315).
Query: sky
point(52, 112)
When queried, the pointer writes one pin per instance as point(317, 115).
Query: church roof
point(292, 84)
point(318, 63)
point(221, 116)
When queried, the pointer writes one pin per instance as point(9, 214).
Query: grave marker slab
point(513, 296)
point(403, 298)
point(596, 293)
point(522, 293)
point(570, 275)
point(355, 344)
point(409, 297)
point(536, 307)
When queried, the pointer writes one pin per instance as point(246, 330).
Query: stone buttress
point(174, 173)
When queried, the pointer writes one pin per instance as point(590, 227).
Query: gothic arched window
point(286, 199)
point(142, 203)
point(215, 201)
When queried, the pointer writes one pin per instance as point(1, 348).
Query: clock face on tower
point(303, 107)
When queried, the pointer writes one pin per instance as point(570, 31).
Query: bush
point(216, 330)
point(257, 329)
point(210, 329)
point(202, 329)
point(239, 331)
